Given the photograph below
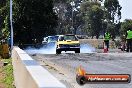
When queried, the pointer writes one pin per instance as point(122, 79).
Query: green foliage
point(5, 31)
point(93, 15)
point(96, 16)
point(125, 25)
point(86, 7)
point(8, 71)
point(4, 17)
point(112, 15)
point(68, 14)
point(113, 10)
point(90, 17)
point(33, 19)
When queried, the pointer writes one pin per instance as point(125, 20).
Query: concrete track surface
point(64, 66)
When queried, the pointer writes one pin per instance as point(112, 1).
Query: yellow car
point(67, 43)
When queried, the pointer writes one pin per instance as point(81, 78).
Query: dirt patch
point(2, 85)
point(98, 43)
point(2, 76)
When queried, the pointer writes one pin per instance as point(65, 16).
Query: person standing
point(129, 40)
point(123, 43)
point(107, 37)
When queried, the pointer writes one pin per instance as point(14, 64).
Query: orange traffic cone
point(105, 48)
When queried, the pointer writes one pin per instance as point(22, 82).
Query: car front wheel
point(77, 51)
point(58, 52)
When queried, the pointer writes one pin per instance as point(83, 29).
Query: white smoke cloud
point(51, 49)
point(86, 48)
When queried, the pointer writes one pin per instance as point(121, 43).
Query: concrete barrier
point(29, 74)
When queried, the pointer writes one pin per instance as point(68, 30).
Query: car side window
point(61, 39)
point(45, 39)
point(48, 39)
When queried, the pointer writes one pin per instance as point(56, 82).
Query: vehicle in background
point(44, 40)
point(67, 43)
point(50, 41)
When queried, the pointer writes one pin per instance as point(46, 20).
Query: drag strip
point(64, 66)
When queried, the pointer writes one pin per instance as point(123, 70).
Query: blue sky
point(126, 9)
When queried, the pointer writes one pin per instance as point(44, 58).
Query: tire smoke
point(86, 48)
point(45, 49)
point(51, 49)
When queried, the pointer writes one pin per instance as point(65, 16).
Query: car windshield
point(53, 39)
point(68, 37)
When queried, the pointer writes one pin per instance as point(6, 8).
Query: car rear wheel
point(58, 52)
point(77, 51)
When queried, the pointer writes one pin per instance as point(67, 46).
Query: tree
point(60, 8)
point(125, 25)
point(112, 10)
point(96, 16)
point(4, 20)
point(33, 19)
point(68, 11)
point(93, 15)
